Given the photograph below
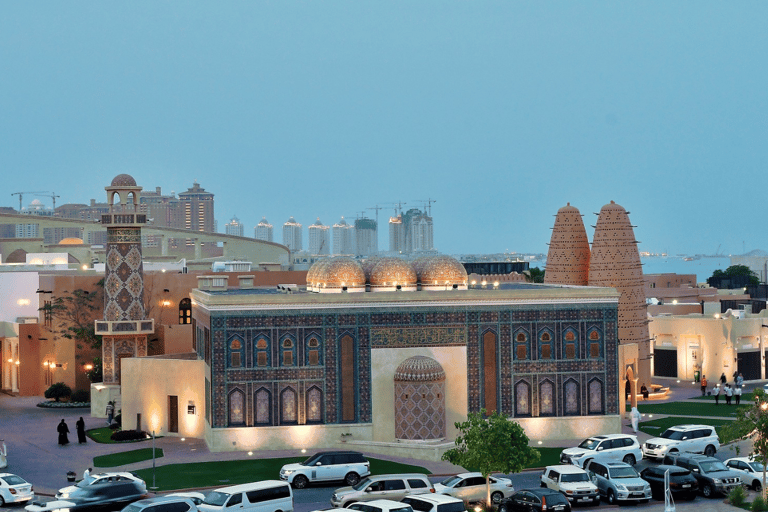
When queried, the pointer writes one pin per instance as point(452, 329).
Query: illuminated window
point(546, 398)
point(261, 351)
point(522, 399)
point(236, 408)
point(288, 412)
point(289, 352)
point(571, 390)
point(263, 405)
point(235, 353)
point(545, 345)
point(521, 346)
point(314, 405)
point(185, 311)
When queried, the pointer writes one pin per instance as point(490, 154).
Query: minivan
point(266, 496)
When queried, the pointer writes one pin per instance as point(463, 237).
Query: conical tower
point(615, 262)
point(568, 255)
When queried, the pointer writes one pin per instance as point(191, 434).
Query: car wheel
point(610, 497)
point(757, 486)
point(709, 451)
point(2, 501)
point(352, 478)
point(299, 482)
point(629, 459)
point(707, 491)
point(502, 508)
point(597, 500)
point(586, 463)
point(496, 497)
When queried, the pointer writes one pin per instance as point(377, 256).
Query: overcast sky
point(501, 111)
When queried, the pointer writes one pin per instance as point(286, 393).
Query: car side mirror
point(599, 448)
point(369, 489)
point(695, 470)
point(318, 463)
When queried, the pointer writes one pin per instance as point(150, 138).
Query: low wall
point(569, 428)
point(284, 437)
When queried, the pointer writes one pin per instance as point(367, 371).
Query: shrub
point(128, 435)
point(758, 505)
point(57, 391)
point(81, 396)
point(737, 496)
point(118, 420)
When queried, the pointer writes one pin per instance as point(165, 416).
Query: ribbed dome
point(315, 270)
point(568, 255)
point(419, 369)
point(418, 263)
point(123, 180)
point(393, 272)
point(368, 265)
point(442, 271)
point(341, 272)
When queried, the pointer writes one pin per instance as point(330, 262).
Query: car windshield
point(757, 467)
point(85, 482)
point(711, 467)
point(362, 484)
point(450, 482)
point(624, 473)
point(589, 444)
point(15, 480)
point(217, 499)
point(675, 435)
point(311, 461)
point(575, 477)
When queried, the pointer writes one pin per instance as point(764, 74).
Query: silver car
point(618, 481)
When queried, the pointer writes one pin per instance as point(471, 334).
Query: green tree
point(735, 271)
point(752, 421)
point(75, 314)
point(495, 444)
point(534, 275)
point(95, 374)
point(58, 391)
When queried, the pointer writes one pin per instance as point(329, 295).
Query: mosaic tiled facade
point(312, 364)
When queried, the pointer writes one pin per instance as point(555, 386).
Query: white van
point(266, 496)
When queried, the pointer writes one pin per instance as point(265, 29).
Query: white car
point(50, 506)
point(100, 478)
point(470, 487)
point(434, 503)
point(751, 471)
point(572, 481)
point(606, 448)
point(348, 467)
point(14, 489)
point(381, 506)
point(196, 497)
point(683, 438)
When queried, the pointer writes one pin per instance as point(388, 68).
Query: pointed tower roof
point(568, 256)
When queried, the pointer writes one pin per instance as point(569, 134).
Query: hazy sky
point(501, 111)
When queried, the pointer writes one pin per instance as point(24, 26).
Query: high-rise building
point(319, 241)
point(197, 205)
point(411, 232)
point(366, 237)
point(292, 235)
point(234, 227)
point(27, 230)
point(263, 231)
point(163, 210)
point(343, 238)
point(396, 234)
point(421, 233)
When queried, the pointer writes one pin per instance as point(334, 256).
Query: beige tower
point(615, 262)
point(568, 255)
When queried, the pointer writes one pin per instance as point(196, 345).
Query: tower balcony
point(123, 219)
point(120, 327)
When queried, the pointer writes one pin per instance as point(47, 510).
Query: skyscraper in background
point(235, 227)
point(292, 235)
point(197, 205)
point(163, 210)
point(396, 234)
point(319, 239)
point(343, 238)
point(420, 233)
point(411, 232)
point(264, 231)
point(366, 237)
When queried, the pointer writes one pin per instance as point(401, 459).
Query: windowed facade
point(522, 399)
point(263, 407)
point(313, 353)
point(287, 351)
point(595, 388)
point(546, 345)
point(571, 397)
point(546, 398)
point(185, 311)
point(261, 351)
point(236, 408)
point(522, 346)
point(236, 353)
point(314, 405)
point(288, 407)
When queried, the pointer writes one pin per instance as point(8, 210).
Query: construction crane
point(377, 208)
point(21, 195)
point(428, 204)
point(52, 195)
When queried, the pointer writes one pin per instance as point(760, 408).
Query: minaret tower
point(568, 256)
point(125, 327)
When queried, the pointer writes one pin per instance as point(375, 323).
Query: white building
point(264, 231)
point(421, 233)
point(319, 239)
point(234, 227)
point(292, 235)
point(343, 238)
point(396, 234)
point(366, 237)
point(27, 230)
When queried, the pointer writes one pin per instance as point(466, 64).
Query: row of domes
point(386, 274)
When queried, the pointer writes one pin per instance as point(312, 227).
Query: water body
point(702, 267)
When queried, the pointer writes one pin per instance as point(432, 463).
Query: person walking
point(728, 394)
point(716, 393)
point(739, 381)
point(110, 412)
point(63, 430)
point(703, 385)
point(634, 417)
point(723, 380)
point(3, 454)
point(87, 473)
point(80, 428)
point(737, 394)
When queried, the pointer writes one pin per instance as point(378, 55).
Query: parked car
point(14, 489)
point(470, 487)
point(683, 438)
point(618, 481)
point(348, 467)
point(196, 497)
point(265, 496)
point(712, 475)
point(434, 503)
point(539, 500)
point(108, 493)
point(165, 503)
point(619, 447)
point(381, 506)
point(101, 479)
point(390, 487)
point(50, 506)
point(681, 481)
point(572, 481)
point(751, 471)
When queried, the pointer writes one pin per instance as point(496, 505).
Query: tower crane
point(428, 204)
point(52, 195)
point(21, 195)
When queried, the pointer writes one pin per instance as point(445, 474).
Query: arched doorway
point(630, 386)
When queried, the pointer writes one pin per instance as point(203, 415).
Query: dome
point(368, 264)
point(71, 241)
point(316, 271)
point(393, 272)
point(341, 273)
point(418, 263)
point(419, 369)
point(35, 202)
point(123, 180)
point(443, 271)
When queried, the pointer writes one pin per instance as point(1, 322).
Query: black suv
point(711, 473)
point(681, 481)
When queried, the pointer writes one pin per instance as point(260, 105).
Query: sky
point(502, 112)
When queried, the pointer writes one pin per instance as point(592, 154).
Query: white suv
point(573, 482)
point(327, 467)
point(610, 447)
point(683, 438)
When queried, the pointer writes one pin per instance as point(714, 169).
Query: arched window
point(287, 351)
point(236, 408)
point(546, 398)
point(313, 353)
point(261, 351)
point(595, 344)
point(522, 399)
point(570, 344)
point(571, 392)
point(288, 410)
point(595, 388)
point(545, 345)
point(235, 353)
point(185, 311)
point(314, 405)
point(522, 348)
point(263, 405)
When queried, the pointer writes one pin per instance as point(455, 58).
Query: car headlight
point(65, 495)
point(621, 487)
point(717, 480)
point(287, 471)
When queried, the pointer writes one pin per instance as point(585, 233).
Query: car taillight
point(432, 490)
point(13, 491)
point(543, 503)
point(509, 484)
